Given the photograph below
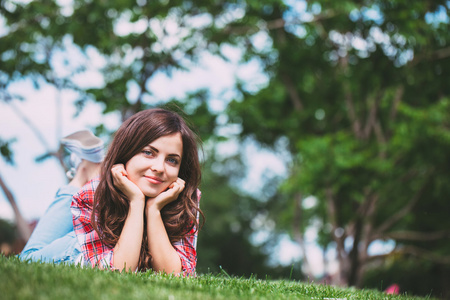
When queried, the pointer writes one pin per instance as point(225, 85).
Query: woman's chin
point(153, 191)
point(151, 194)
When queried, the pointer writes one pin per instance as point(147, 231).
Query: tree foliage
point(358, 89)
point(355, 90)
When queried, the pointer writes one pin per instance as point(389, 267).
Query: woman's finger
point(119, 169)
point(182, 183)
point(177, 185)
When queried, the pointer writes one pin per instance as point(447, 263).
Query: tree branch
point(57, 154)
point(275, 24)
point(367, 208)
point(356, 125)
point(415, 235)
point(435, 55)
point(397, 99)
point(30, 124)
point(402, 212)
point(352, 114)
point(381, 139)
point(422, 253)
point(411, 250)
point(394, 108)
point(372, 117)
point(293, 94)
point(22, 225)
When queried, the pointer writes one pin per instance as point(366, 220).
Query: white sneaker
point(85, 145)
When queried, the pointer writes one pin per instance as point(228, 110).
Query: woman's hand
point(121, 181)
point(166, 197)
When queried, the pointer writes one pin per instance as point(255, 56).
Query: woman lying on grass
point(138, 208)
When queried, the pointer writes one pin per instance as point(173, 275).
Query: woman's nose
point(158, 165)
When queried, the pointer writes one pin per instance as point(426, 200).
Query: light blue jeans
point(53, 239)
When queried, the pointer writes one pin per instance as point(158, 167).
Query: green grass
point(26, 280)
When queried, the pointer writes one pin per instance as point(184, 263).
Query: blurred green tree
point(225, 241)
point(357, 90)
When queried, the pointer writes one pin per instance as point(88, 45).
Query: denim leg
point(54, 224)
point(65, 249)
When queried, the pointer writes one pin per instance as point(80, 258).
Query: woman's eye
point(147, 152)
point(172, 161)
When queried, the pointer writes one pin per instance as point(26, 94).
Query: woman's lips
point(154, 179)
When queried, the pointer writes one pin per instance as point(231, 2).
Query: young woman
point(141, 213)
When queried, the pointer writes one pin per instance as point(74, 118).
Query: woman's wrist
point(152, 209)
point(137, 204)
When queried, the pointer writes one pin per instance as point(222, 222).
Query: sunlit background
point(325, 126)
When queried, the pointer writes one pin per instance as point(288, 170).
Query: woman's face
point(157, 165)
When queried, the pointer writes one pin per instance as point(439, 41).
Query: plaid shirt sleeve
point(187, 248)
point(95, 253)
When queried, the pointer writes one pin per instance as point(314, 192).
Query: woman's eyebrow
point(157, 151)
point(153, 148)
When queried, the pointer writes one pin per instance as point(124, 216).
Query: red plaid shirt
point(95, 253)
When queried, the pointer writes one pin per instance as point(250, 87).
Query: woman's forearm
point(164, 257)
point(128, 248)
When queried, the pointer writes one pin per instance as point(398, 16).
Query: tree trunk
point(341, 255)
point(22, 226)
point(297, 232)
point(354, 255)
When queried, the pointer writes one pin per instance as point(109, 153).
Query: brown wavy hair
point(110, 204)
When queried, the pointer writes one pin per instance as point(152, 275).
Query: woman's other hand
point(166, 197)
